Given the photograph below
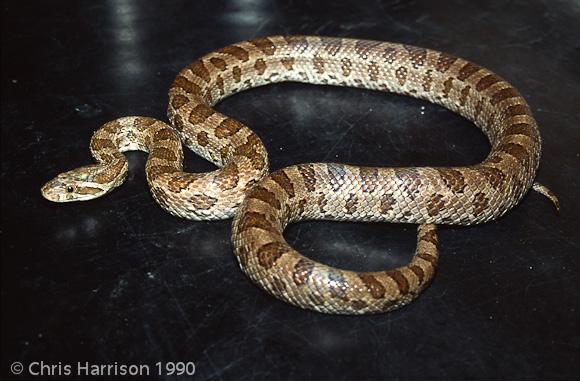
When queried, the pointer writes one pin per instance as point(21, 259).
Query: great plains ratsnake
point(419, 195)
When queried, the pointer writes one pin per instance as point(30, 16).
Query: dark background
point(118, 279)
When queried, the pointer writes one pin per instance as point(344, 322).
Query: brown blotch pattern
point(200, 113)
point(178, 101)
point(258, 221)
point(447, 86)
point(480, 202)
point(428, 257)
point(516, 110)
point(410, 181)
point(389, 305)
point(318, 63)
point(430, 236)
point(164, 154)
point(109, 157)
point(444, 62)
point(321, 202)
point(400, 280)
point(387, 202)
point(487, 81)
point(374, 287)
point(494, 176)
point(111, 127)
point(467, 71)
point(346, 66)
point(180, 181)
point(464, 95)
point(156, 170)
point(496, 158)
point(478, 108)
point(418, 271)
point(237, 73)
point(401, 74)
point(390, 55)
point(308, 175)
point(435, 204)
point(144, 121)
point(164, 134)
point(186, 85)
point(249, 150)
point(224, 153)
point(331, 45)
point(99, 144)
point(374, 71)
point(418, 55)
point(301, 207)
point(229, 177)
point(364, 48)
point(516, 150)
point(111, 173)
point(202, 138)
point(219, 63)
point(453, 179)
point(358, 304)
point(297, 43)
point(270, 252)
point(288, 62)
point(281, 178)
point(227, 127)
point(260, 66)
point(369, 178)
point(302, 271)
point(219, 82)
point(503, 94)
point(521, 129)
point(263, 194)
point(265, 45)
point(427, 80)
point(351, 203)
point(235, 51)
point(199, 70)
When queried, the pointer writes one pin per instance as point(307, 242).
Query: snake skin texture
point(320, 191)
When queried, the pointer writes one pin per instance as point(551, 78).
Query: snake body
point(267, 204)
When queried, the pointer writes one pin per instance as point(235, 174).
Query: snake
point(263, 205)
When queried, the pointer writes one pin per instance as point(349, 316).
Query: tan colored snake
point(419, 195)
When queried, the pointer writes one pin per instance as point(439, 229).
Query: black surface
point(119, 280)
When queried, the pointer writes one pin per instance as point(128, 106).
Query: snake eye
point(70, 189)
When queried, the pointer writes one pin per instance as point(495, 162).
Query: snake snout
point(49, 190)
point(55, 190)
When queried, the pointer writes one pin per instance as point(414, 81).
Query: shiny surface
point(120, 280)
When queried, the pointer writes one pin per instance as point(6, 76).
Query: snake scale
point(266, 204)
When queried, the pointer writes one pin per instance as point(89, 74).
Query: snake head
point(77, 185)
